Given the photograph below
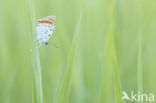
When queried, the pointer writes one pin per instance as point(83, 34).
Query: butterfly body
point(45, 29)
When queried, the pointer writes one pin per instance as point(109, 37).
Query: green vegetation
point(104, 47)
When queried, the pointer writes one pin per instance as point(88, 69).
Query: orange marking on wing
point(52, 20)
point(48, 22)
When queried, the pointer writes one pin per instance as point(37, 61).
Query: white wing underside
point(45, 30)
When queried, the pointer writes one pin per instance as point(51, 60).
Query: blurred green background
point(93, 77)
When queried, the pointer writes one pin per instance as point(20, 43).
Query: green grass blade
point(37, 78)
point(65, 88)
point(111, 55)
point(118, 90)
point(106, 83)
point(139, 57)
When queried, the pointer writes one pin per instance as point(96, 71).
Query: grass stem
point(37, 76)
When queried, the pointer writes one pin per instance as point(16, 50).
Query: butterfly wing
point(45, 30)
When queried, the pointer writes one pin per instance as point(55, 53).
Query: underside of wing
point(45, 29)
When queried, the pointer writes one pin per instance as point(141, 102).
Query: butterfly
point(45, 29)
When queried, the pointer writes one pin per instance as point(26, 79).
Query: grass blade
point(139, 57)
point(111, 55)
point(37, 78)
point(106, 83)
point(118, 90)
point(65, 88)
